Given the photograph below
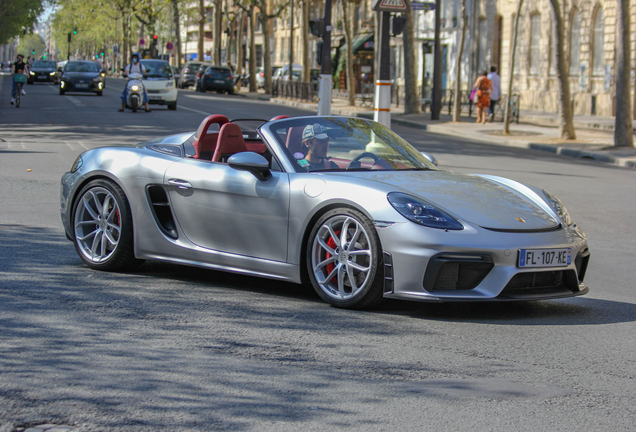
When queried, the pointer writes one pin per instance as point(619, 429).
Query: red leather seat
point(230, 142)
point(295, 139)
point(205, 143)
point(279, 117)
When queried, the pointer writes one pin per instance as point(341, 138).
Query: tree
point(31, 43)
point(511, 69)
point(17, 16)
point(176, 16)
point(279, 6)
point(351, 91)
point(201, 22)
point(623, 129)
point(304, 32)
point(457, 103)
point(566, 120)
point(411, 100)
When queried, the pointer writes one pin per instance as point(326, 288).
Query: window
point(535, 40)
point(575, 44)
point(598, 59)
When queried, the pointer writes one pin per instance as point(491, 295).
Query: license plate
point(41, 76)
point(219, 81)
point(82, 86)
point(154, 97)
point(545, 257)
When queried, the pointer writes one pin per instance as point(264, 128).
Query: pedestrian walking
point(483, 87)
point(495, 94)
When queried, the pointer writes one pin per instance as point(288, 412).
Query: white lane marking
point(76, 101)
point(194, 110)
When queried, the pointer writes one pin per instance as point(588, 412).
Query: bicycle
point(20, 79)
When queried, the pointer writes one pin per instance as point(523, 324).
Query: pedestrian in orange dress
point(484, 87)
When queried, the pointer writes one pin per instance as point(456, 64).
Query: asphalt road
point(178, 348)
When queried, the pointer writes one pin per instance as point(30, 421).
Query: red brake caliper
point(332, 244)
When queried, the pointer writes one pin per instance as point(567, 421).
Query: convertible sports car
point(342, 203)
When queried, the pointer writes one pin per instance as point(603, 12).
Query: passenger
point(316, 140)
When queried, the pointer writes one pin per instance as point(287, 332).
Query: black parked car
point(43, 71)
point(83, 76)
point(219, 78)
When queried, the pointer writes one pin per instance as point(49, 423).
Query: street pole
point(324, 92)
point(382, 110)
point(436, 106)
point(68, 57)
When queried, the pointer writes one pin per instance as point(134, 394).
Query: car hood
point(80, 75)
point(490, 202)
point(157, 83)
point(47, 70)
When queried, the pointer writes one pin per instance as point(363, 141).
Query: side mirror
point(432, 159)
point(251, 162)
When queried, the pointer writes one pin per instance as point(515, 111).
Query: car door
point(227, 210)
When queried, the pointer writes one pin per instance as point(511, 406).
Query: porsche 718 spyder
point(342, 203)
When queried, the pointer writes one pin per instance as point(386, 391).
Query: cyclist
point(137, 67)
point(19, 67)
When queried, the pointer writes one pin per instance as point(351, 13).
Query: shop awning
point(362, 43)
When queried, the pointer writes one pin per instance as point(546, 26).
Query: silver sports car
point(342, 203)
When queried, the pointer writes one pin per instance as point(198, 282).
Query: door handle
point(181, 184)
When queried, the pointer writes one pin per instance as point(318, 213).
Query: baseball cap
point(316, 130)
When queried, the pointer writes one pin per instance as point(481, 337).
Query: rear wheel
point(230, 91)
point(103, 228)
point(344, 259)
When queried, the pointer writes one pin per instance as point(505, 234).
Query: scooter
point(135, 87)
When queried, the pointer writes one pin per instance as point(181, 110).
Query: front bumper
point(163, 96)
point(42, 77)
point(477, 264)
point(90, 87)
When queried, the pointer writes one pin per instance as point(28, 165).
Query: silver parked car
point(342, 203)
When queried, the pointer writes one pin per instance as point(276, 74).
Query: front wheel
point(103, 227)
point(133, 104)
point(344, 260)
point(172, 106)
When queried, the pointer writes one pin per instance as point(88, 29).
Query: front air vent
point(451, 272)
point(581, 263)
point(544, 283)
point(161, 210)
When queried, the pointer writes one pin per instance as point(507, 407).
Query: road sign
point(169, 46)
point(142, 42)
point(422, 6)
point(390, 6)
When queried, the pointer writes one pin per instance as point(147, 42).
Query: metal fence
point(303, 91)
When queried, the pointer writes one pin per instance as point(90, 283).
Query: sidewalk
point(539, 131)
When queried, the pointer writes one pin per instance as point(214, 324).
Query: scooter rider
point(134, 67)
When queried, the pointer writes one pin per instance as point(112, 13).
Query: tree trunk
point(457, 107)
point(566, 124)
point(351, 91)
point(304, 31)
point(511, 68)
point(267, 58)
point(177, 26)
point(623, 128)
point(218, 16)
point(240, 37)
point(201, 37)
point(411, 105)
point(253, 87)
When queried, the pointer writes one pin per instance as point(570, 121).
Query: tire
point(230, 92)
point(172, 106)
point(62, 92)
point(133, 105)
point(200, 89)
point(103, 227)
point(18, 94)
point(360, 261)
point(99, 93)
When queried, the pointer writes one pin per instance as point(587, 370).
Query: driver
point(316, 140)
point(134, 67)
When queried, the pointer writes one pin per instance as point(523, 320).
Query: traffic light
point(32, 52)
point(101, 54)
point(397, 25)
point(155, 37)
point(317, 27)
point(319, 52)
point(74, 30)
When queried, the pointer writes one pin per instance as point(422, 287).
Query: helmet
point(135, 55)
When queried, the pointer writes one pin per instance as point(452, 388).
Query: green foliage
point(30, 43)
point(16, 16)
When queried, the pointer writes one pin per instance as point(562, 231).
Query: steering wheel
point(355, 163)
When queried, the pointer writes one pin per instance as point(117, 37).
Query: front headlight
point(422, 213)
point(134, 88)
point(170, 84)
point(52, 73)
point(77, 164)
point(62, 83)
point(32, 73)
point(558, 208)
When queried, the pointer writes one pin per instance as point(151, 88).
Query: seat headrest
point(230, 142)
point(202, 132)
point(295, 139)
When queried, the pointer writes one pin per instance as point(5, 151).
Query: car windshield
point(157, 69)
point(192, 67)
point(44, 64)
point(338, 143)
point(82, 67)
